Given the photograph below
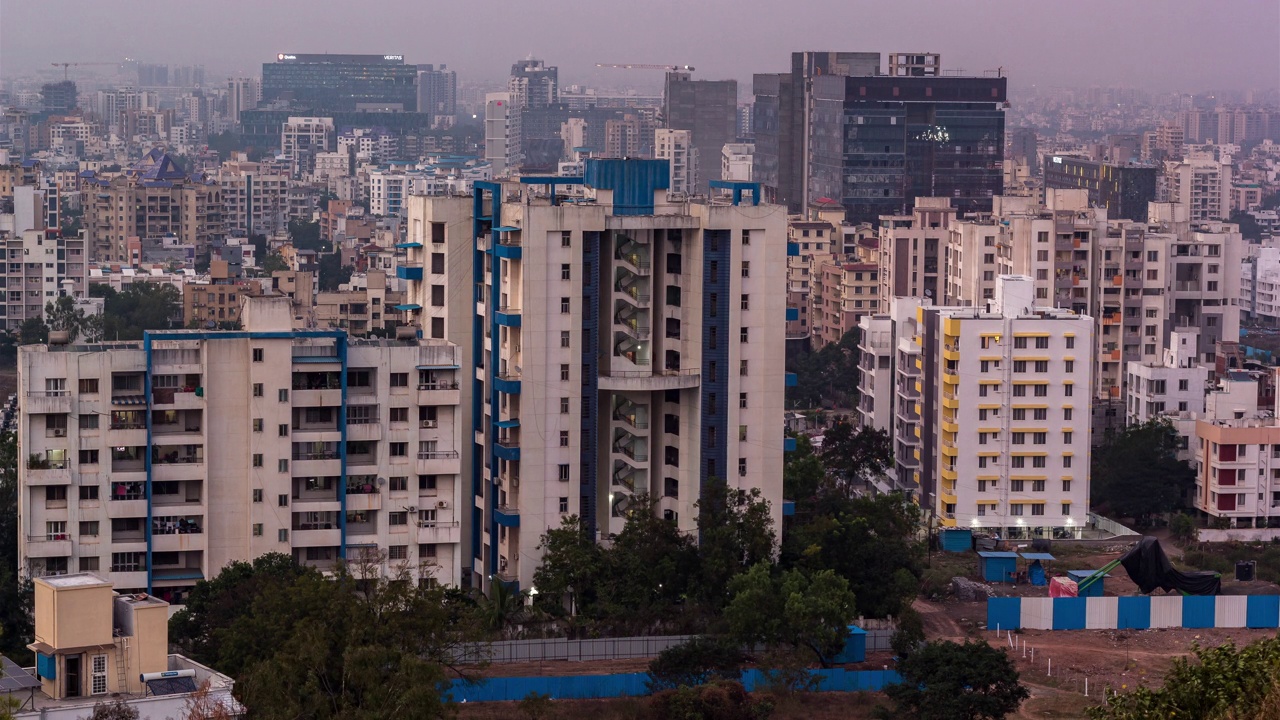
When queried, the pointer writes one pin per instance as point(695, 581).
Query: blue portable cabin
point(998, 566)
point(855, 647)
point(955, 540)
point(1095, 587)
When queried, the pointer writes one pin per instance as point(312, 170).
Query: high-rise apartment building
point(255, 197)
point(155, 464)
point(676, 146)
point(912, 249)
point(708, 109)
point(58, 98)
point(622, 345)
point(1010, 383)
point(301, 138)
point(242, 94)
point(152, 198)
point(38, 265)
point(438, 94)
point(498, 145)
point(325, 83)
point(1202, 184)
point(533, 84)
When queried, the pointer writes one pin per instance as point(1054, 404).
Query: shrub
point(910, 632)
point(695, 662)
point(720, 700)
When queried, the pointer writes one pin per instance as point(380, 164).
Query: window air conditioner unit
point(442, 504)
point(515, 482)
point(411, 509)
point(429, 423)
point(59, 432)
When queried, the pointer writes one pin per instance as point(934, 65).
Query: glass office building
point(333, 83)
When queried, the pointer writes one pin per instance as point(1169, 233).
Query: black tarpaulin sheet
point(1147, 564)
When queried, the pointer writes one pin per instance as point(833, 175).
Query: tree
point(910, 632)
point(1137, 473)
point(274, 263)
point(333, 273)
point(827, 378)
point(572, 562)
point(63, 315)
point(1249, 227)
point(1183, 529)
point(947, 681)
point(305, 235)
point(721, 700)
point(853, 456)
point(140, 307)
point(33, 331)
point(694, 662)
point(796, 609)
point(1223, 682)
point(649, 571)
point(873, 542)
point(802, 471)
point(16, 592)
point(735, 533)
point(503, 608)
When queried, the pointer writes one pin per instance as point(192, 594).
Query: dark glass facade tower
point(334, 83)
point(1124, 190)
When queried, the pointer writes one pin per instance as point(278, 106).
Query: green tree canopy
point(1223, 683)
point(16, 592)
point(1137, 473)
point(735, 533)
point(274, 263)
point(853, 455)
point(333, 273)
point(947, 681)
point(809, 611)
point(305, 235)
point(827, 378)
point(140, 307)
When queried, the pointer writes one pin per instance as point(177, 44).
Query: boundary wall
point(1140, 612)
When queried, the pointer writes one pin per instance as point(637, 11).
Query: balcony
point(439, 393)
point(619, 380)
point(44, 402)
point(439, 532)
point(507, 516)
point(506, 448)
point(438, 462)
point(52, 545)
point(315, 354)
point(409, 271)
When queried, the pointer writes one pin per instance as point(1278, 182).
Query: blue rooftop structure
point(158, 165)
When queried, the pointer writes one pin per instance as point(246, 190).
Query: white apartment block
point(676, 147)
point(255, 198)
point(1202, 184)
point(736, 160)
point(499, 149)
point(912, 249)
point(1236, 447)
point(38, 267)
point(810, 243)
point(621, 344)
point(1010, 384)
point(194, 449)
point(242, 94)
point(301, 138)
point(1260, 287)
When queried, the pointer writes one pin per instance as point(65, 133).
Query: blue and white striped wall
point(1134, 613)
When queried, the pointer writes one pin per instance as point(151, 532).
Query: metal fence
point(627, 648)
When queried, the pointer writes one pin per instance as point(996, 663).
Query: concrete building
point(1173, 389)
point(94, 645)
point(875, 371)
point(809, 243)
point(1260, 287)
point(242, 94)
point(620, 346)
point(533, 84)
point(735, 161)
point(1009, 383)
point(39, 267)
point(912, 251)
point(215, 301)
point(676, 147)
point(301, 138)
point(1202, 184)
point(498, 147)
point(325, 83)
point(438, 94)
point(1236, 461)
point(152, 198)
point(195, 449)
point(255, 198)
point(843, 292)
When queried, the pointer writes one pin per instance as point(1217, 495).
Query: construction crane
point(640, 66)
point(66, 65)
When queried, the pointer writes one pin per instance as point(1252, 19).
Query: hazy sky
point(1159, 44)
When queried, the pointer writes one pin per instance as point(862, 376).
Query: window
point(398, 518)
point(128, 561)
point(1019, 438)
point(282, 535)
point(89, 564)
point(982, 463)
point(98, 675)
point(399, 449)
point(562, 472)
point(89, 386)
point(1042, 390)
point(1019, 390)
point(282, 430)
point(399, 414)
point(1042, 366)
point(1066, 461)
point(259, 354)
point(1070, 365)
point(564, 306)
point(55, 496)
point(1067, 437)
point(89, 528)
point(282, 465)
point(1071, 342)
point(564, 504)
point(1038, 485)
point(564, 438)
point(564, 406)
point(1018, 414)
point(257, 529)
point(257, 424)
point(88, 422)
point(1017, 462)
point(564, 373)
point(426, 482)
point(282, 395)
point(565, 273)
point(1020, 343)
point(257, 460)
point(564, 338)
point(1068, 390)
point(1015, 509)
point(1039, 438)
point(742, 400)
point(742, 467)
point(1038, 461)
point(257, 389)
point(1041, 413)
point(1019, 366)
point(746, 268)
point(400, 379)
point(1037, 509)
point(399, 483)
point(88, 492)
point(746, 302)
point(1066, 486)
point(88, 457)
point(1042, 343)
point(1066, 508)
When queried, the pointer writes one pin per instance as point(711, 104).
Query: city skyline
point(1005, 35)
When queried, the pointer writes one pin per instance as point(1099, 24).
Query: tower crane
point(641, 66)
point(66, 65)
